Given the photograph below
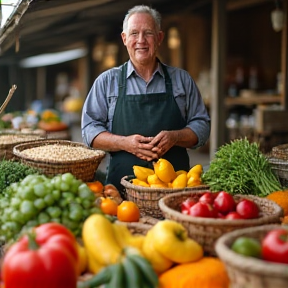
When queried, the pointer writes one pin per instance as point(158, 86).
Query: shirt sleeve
point(191, 105)
point(96, 112)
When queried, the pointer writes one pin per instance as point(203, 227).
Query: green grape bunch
point(38, 199)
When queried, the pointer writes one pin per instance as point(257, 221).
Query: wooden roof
point(41, 26)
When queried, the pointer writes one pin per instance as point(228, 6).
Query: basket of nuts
point(53, 157)
point(9, 140)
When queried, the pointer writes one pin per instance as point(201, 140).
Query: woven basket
point(145, 223)
point(147, 198)
point(280, 168)
point(83, 169)
point(206, 231)
point(9, 140)
point(248, 272)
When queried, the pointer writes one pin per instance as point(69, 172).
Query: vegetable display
point(12, 171)
point(131, 271)
point(219, 205)
point(47, 257)
point(163, 175)
point(208, 272)
point(272, 248)
point(240, 168)
point(275, 246)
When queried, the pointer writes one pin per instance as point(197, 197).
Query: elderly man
point(144, 110)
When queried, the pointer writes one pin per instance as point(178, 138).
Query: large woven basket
point(8, 140)
point(278, 159)
point(248, 272)
point(206, 231)
point(83, 168)
point(147, 198)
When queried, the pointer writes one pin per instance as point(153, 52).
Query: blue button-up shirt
point(99, 106)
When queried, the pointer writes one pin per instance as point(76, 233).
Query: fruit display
point(273, 247)
point(50, 120)
point(164, 176)
point(219, 205)
point(255, 256)
point(38, 199)
point(86, 227)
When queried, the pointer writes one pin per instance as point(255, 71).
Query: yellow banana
point(142, 173)
point(99, 239)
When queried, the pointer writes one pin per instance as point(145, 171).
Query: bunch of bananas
point(164, 176)
point(133, 271)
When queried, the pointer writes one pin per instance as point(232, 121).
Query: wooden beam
point(217, 137)
point(240, 4)
point(66, 8)
point(284, 58)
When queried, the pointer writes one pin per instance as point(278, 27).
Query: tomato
point(207, 197)
point(128, 211)
point(187, 204)
point(48, 257)
point(233, 216)
point(109, 206)
point(201, 209)
point(224, 202)
point(275, 246)
point(247, 209)
point(247, 246)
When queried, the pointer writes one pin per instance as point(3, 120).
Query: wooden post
point(218, 115)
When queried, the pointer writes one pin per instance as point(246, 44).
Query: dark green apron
point(146, 115)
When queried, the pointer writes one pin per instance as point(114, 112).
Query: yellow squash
point(164, 170)
point(142, 173)
point(99, 240)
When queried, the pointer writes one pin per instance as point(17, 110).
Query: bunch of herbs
point(239, 167)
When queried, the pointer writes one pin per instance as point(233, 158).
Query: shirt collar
point(130, 69)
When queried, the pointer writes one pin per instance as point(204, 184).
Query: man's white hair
point(143, 9)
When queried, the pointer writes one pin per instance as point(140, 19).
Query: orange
point(96, 186)
point(109, 206)
point(128, 211)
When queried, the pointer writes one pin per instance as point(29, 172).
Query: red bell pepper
point(47, 257)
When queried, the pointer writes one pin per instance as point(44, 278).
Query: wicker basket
point(83, 169)
point(280, 168)
point(248, 272)
point(9, 140)
point(147, 198)
point(207, 230)
point(145, 223)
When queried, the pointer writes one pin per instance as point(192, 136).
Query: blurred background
point(236, 51)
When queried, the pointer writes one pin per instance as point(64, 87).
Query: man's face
point(142, 40)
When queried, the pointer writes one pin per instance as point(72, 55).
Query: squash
point(208, 272)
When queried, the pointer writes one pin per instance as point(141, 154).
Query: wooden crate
point(269, 121)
